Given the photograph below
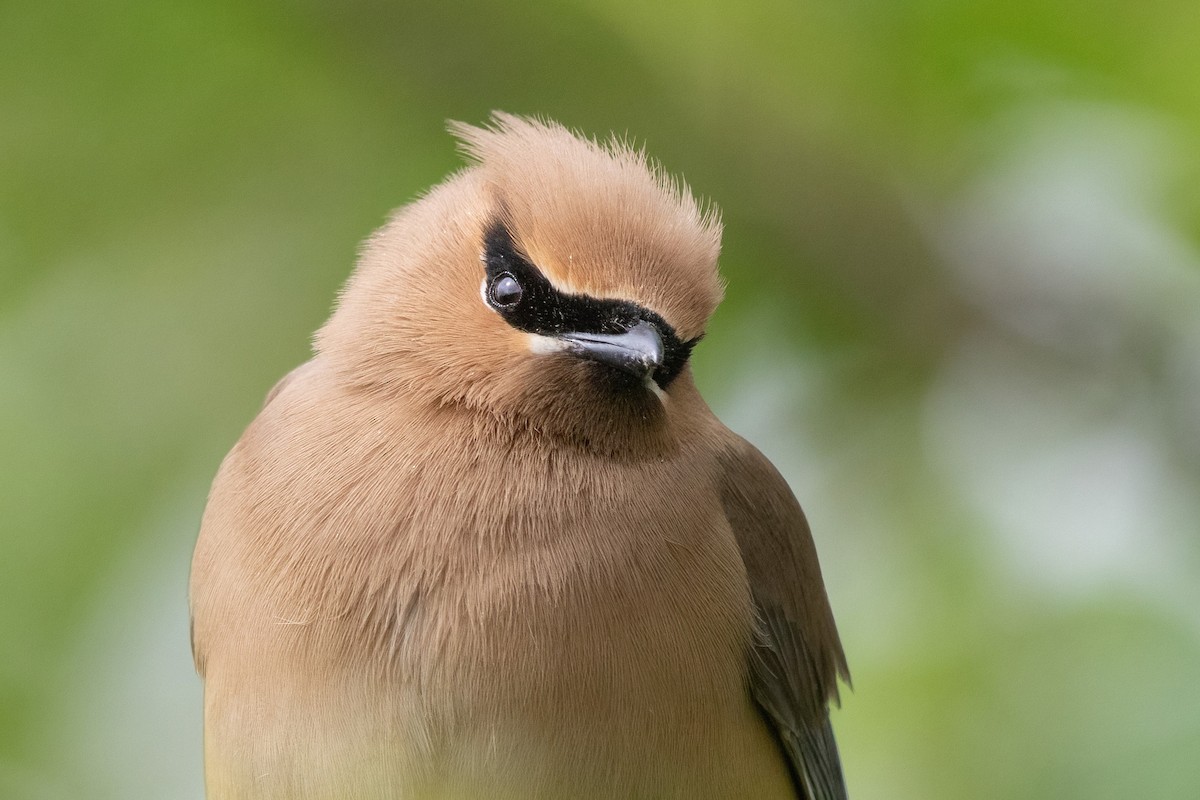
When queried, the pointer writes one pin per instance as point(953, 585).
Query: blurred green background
point(963, 317)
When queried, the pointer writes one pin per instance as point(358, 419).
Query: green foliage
point(961, 246)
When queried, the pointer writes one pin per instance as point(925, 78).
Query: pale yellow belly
point(347, 749)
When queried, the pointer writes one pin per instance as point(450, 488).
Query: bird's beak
point(638, 351)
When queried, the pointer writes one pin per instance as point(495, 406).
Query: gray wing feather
point(797, 658)
point(809, 744)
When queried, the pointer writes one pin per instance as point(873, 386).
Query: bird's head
point(555, 281)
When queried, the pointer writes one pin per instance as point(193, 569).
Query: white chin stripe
point(658, 392)
point(544, 345)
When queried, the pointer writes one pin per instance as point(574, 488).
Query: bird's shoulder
point(777, 547)
point(797, 657)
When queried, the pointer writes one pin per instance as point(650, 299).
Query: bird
point(490, 541)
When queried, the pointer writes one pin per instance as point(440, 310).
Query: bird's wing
point(797, 657)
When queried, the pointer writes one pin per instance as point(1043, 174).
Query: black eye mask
point(522, 295)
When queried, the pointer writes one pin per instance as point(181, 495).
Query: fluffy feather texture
point(444, 564)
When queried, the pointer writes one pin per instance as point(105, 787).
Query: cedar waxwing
point(491, 543)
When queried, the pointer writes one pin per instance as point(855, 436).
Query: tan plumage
point(452, 559)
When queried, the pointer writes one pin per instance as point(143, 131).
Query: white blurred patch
point(132, 718)
point(1079, 494)
point(1055, 423)
point(1063, 239)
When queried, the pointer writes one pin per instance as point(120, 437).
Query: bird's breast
point(497, 626)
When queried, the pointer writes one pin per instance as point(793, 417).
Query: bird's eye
point(505, 291)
